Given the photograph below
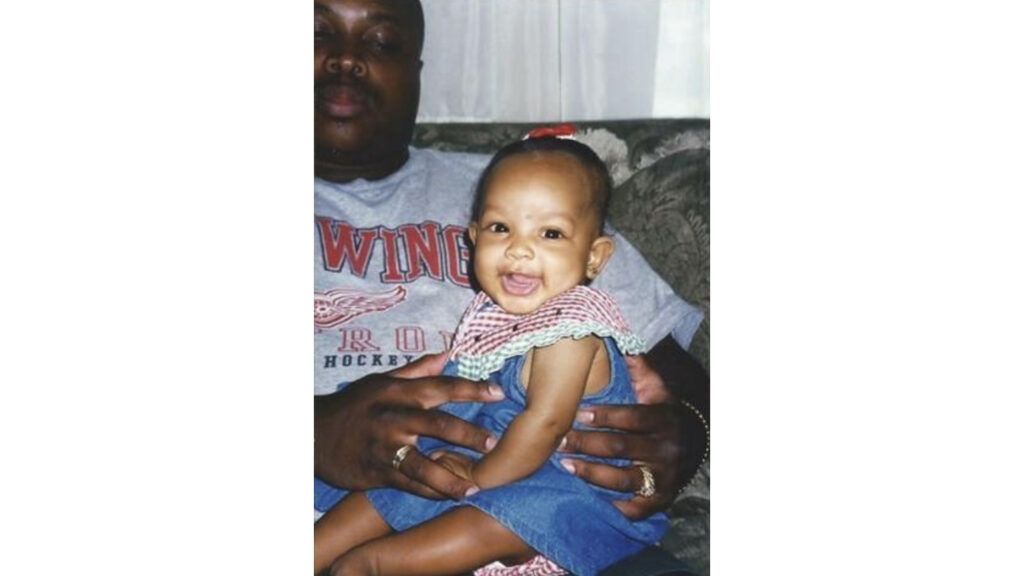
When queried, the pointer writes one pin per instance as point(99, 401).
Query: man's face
point(366, 80)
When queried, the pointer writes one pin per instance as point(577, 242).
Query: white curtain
point(549, 60)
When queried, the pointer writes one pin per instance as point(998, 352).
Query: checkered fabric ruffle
point(537, 566)
point(488, 336)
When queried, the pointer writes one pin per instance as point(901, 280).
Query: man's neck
point(338, 171)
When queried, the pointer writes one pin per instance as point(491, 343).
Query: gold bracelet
point(707, 444)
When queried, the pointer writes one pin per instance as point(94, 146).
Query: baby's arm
point(557, 380)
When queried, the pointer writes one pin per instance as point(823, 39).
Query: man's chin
point(342, 165)
point(351, 156)
point(342, 136)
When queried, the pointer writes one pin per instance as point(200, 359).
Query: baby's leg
point(352, 522)
point(455, 542)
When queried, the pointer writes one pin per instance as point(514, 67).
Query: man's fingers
point(428, 365)
point(627, 479)
point(406, 484)
point(647, 383)
point(609, 445)
point(421, 469)
point(451, 429)
point(636, 508)
point(443, 455)
point(621, 479)
point(433, 392)
point(634, 418)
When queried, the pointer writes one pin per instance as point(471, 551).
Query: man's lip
point(342, 100)
point(519, 284)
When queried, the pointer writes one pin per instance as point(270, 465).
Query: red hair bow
point(556, 131)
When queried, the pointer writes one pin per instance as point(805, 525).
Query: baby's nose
point(519, 249)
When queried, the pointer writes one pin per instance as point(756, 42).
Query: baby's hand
point(458, 464)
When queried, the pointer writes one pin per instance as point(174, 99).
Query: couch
point(661, 203)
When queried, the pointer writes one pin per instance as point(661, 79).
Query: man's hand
point(358, 430)
point(458, 464)
point(659, 433)
point(648, 434)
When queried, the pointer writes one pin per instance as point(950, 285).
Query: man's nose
point(346, 63)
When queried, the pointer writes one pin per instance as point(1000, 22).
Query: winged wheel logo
point(336, 307)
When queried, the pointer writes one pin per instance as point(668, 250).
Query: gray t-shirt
point(391, 270)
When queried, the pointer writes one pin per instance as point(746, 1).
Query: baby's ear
point(601, 250)
point(473, 226)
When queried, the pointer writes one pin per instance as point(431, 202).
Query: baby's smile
point(519, 284)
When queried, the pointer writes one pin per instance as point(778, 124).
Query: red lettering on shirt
point(446, 339)
point(392, 272)
point(356, 340)
point(339, 244)
point(409, 251)
point(456, 255)
point(424, 250)
point(410, 339)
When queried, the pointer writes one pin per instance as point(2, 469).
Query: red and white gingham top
point(487, 336)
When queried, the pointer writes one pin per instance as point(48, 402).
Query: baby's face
point(538, 234)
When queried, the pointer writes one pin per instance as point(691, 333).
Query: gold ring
point(647, 488)
point(400, 455)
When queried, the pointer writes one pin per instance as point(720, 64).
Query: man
point(392, 281)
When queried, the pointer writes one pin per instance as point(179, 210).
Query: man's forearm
point(682, 374)
point(687, 380)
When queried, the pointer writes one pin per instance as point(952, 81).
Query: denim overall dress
point(572, 523)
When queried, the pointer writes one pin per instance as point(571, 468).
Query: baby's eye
point(498, 227)
point(552, 234)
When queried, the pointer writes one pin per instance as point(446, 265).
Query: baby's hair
point(597, 173)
